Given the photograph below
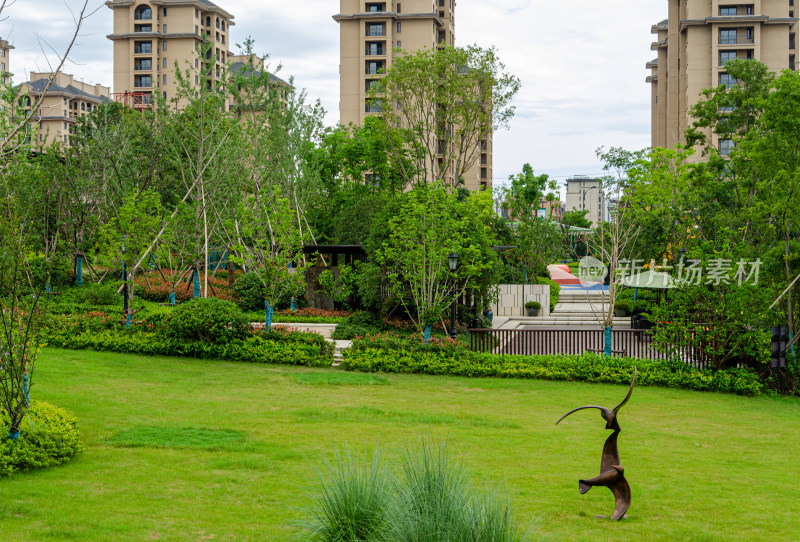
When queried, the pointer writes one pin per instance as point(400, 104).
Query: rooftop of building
point(200, 3)
point(241, 67)
point(40, 85)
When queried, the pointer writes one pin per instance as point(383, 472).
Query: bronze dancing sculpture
point(612, 475)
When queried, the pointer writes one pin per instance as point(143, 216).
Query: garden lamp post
point(452, 263)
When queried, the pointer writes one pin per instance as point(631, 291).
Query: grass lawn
point(183, 449)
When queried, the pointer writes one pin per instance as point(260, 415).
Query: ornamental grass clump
point(429, 498)
point(353, 500)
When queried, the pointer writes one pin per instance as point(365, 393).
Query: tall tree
point(446, 100)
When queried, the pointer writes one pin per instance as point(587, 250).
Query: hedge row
point(279, 348)
point(586, 368)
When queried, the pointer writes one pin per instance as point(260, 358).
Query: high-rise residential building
point(586, 194)
point(151, 36)
point(64, 101)
point(696, 40)
point(370, 31)
point(5, 61)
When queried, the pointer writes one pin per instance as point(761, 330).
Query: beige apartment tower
point(65, 100)
point(696, 40)
point(369, 33)
point(151, 36)
point(5, 61)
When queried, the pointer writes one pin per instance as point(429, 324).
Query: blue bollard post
point(172, 299)
point(427, 335)
point(79, 271)
point(26, 388)
point(607, 341)
point(294, 305)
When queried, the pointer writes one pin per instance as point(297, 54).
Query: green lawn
point(182, 449)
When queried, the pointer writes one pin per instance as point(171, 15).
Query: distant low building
point(65, 100)
point(586, 194)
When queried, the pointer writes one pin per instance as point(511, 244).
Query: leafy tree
point(527, 192)
point(576, 218)
point(537, 244)
point(271, 246)
point(445, 101)
point(423, 227)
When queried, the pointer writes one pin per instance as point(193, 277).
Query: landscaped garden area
point(178, 448)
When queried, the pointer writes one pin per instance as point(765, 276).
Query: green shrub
point(312, 350)
point(97, 294)
point(48, 436)
point(533, 305)
point(359, 324)
point(555, 289)
point(249, 292)
point(371, 356)
point(156, 318)
point(209, 320)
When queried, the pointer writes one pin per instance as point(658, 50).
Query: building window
point(727, 36)
point(375, 29)
point(749, 8)
point(725, 56)
point(165, 29)
point(165, 45)
point(165, 95)
point(727, 79)
point(223, 26)
point(398, 9)
point(217, 22)
point(374, 8)
point(165, 62)
point(142, 47)
point(142, 81)
point(399, 27)
point(143, 13)
point(484, 173)
point(791, 40)
point(372, 106)
point(374, 67)
point(165, 12)
point(749, 35)
point(196, 63)
point(164, 79)
point(399, 44)
point(142, 64)
point(374, 48)
point(142, 28)
point(196, 13)
point(725, 147)
point(727, 11)
point(196, 79)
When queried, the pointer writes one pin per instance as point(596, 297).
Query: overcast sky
point(581, 64)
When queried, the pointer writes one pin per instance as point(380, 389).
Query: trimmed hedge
point(455, 360)
point(293, 348)
point(48, 436)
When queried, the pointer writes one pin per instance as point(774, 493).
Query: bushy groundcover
point(101, 332)
point(391, 353)
point(48, 436)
